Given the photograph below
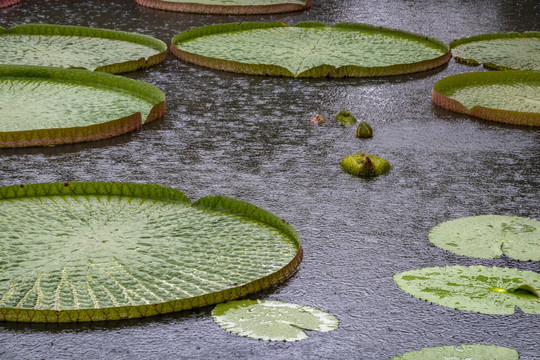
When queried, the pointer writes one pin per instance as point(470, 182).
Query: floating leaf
point(505, 96)
point(345, 118)
point(79, 47)
point(463, 352)
point(365, 165)
point(107, 251)
point(228, 6)
point(489, 236)
point(475, 288)
point(272, 320)
point(309, 49)
point(6, 3)
point(501, 51)
point(42, 106)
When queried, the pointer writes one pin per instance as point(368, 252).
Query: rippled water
point(250, 137)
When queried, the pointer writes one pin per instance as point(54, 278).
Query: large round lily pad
point(6, 3)
point(272, 320)
point(501, 51)
point(511, 97)
point(228, 6)
point(42, 106)
point(309, 49)
point(489, 236)
point(463, 352)
point(79, 47)
point(107, 251)
point(475, 288)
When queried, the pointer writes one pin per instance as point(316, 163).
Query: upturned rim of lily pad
point(157, 193)
point(442, 90)
point(6, 3)
point(315, 72)
point(114, 68)
point(487, 37)
point(104, 130)
point(200, 8)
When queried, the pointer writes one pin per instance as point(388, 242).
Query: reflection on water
point(250, 137)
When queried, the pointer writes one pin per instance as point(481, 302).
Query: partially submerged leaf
point(489, 236)
point(501, 51)
point(51, 106)
point(511, 97)
point(475, 288)
point(272, 320)
point(309, 49)
point(463, 352)
point(228, 6)
point(79, 47)
point(106, 251)
point(364, 165)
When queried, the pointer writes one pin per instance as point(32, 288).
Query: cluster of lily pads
point(218, 249)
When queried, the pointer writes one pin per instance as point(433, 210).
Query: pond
point(250, 137)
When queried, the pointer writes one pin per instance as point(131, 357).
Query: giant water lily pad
point(501, 51)
point(309, 49)
point(462, 352)
point(489, 236)
point(511, 97)
point(107, 251)
point(272, 320)
point(228, 6)
point(475, 288)
point(42, 106)
point(79, 47)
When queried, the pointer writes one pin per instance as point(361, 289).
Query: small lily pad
point(463, 352)
point(345, 118)
point(501, 51)
point(364, 165)
point(242, 7)
point(476, 288)
point(272, 320)
point(489, 236)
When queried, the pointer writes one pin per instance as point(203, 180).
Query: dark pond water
point(249, 137)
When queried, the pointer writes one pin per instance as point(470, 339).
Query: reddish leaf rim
point(108, 129)
point(114, 68)
point(151, 191)
point(445, 85)
point(319, 71)
point(223, 9)
point(6, 3)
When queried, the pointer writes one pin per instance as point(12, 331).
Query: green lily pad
point(106, 251)
point(272, 320)
point(309, 49)
point(79, 47)
point(228, 6)
point(42, 106)
point(6, 3)
point(364, 165)
point(475, 288)
point(463, 352)
point(501, 51)
point(511, 97)
point(489, 236)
